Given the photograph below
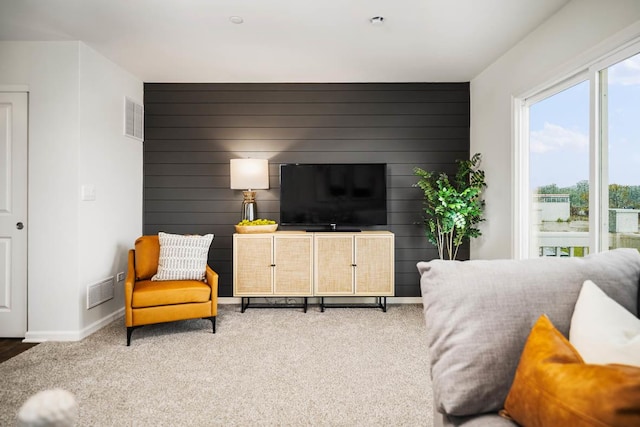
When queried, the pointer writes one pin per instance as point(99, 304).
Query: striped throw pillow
point(182, 257)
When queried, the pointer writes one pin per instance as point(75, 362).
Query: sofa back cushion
point(479, 314)
point(147, 253)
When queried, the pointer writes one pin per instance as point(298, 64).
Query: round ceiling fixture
point(376, 20)
point(236, 19)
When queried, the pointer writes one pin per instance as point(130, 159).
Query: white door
point(13, 214)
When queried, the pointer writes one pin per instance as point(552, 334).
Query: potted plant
point(452, 207)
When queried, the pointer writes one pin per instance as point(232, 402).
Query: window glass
point(620, 127)
point(559, 173)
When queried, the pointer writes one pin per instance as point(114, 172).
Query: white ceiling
point(285, 40)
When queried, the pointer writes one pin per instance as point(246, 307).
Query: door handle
point(19, 226)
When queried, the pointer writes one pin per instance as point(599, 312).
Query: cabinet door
point(374, 259)
point(334, 264)
point(293, 271)
point(252, 259)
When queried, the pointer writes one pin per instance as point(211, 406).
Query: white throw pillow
point(602, 330)
point(182, 257)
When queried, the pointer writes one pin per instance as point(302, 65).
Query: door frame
point(24, 89)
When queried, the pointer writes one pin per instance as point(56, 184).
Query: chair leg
point(213, 322)
point(129, 332)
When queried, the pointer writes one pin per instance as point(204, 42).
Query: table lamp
point(249, 175)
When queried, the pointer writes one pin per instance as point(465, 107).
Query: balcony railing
point(563, 243)
point(576, 243)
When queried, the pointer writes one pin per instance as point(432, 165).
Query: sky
point(559, 131)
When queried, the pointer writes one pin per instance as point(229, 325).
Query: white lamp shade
point(249, 174)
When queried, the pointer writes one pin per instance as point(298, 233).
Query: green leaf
point(452, 208)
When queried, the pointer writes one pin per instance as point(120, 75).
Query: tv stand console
point(314, 264)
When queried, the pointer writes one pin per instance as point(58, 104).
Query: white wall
point(63, 235)
point(51, 72)
point(577, 33)
point(112, 164)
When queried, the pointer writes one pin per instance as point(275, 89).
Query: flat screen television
point(333, 195)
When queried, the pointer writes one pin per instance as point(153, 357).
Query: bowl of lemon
point(256, 226)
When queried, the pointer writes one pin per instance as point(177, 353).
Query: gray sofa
point(479, 315)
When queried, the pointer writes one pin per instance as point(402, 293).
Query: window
point(579, 157)
point(620, 136)
point(559, 169)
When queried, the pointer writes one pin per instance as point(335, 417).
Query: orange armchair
point(147, 302)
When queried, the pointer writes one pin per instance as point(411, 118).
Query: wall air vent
point(133, 119)
point(100, 292)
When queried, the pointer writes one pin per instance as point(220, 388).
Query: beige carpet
point(262, 367)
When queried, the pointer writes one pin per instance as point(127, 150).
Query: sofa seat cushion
point(149, 293)
point(479, 314)
point(480, 420)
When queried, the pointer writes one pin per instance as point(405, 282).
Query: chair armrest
point(212, 281)
point(129, 284)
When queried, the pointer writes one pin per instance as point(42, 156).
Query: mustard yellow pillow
point(554, 387)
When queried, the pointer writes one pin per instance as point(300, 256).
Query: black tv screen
point(333, 194)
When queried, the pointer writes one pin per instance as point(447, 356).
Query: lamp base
point(249, 206)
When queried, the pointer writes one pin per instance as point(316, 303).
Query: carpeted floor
point(262, 367)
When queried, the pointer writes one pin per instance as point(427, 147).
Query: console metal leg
point(380, 302)
point(245, 305)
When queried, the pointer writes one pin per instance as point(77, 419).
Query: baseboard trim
point(316, 300)
point(101, 323)
point(42, 336)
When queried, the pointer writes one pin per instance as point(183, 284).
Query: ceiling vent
point(133, 119)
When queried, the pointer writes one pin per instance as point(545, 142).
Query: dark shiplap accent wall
point(193, 130)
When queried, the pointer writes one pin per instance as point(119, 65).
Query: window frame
point(601, 143)
point(598, 150)
point(522, 247)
